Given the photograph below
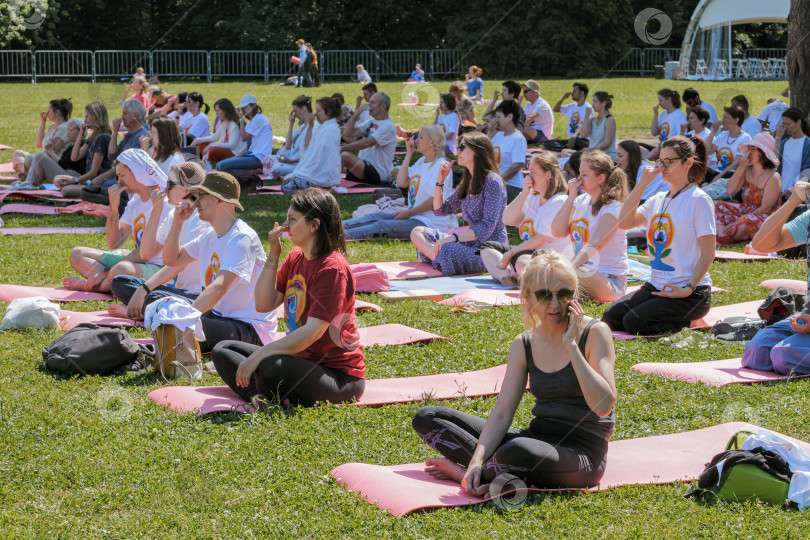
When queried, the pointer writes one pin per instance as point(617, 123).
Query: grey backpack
point(88, 349)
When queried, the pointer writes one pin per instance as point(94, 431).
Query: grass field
point(95, 458)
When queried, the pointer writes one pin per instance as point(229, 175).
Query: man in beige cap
point(138, 292)
point(539, 117)
point(230, 258)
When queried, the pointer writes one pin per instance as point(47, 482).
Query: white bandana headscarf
point(144, 168)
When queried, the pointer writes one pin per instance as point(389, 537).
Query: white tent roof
point(717, 12)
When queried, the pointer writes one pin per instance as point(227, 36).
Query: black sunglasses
point(461, 147)
point(170, 185)
point(563, 296)
point(193, 197)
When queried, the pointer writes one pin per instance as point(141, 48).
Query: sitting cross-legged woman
point(481, 197)
point(569, 360)
point(532, 213)
point(319, 359)
point(681, 237)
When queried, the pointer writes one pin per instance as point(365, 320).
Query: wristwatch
point(690, 286)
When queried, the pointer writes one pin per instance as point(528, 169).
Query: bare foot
point(117, 310)
point(509, 281)
point(74, 284)
point(444, 469)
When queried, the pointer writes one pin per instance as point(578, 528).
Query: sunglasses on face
point(170, 185)
point(563, 296)
point(461, 147)
point(192, 197)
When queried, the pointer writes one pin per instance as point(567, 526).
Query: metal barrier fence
point(181, 64)
point(765, 54)
point(64, 64)
point(334, 63)
point(402, 62)
point(238, 64)
point(17, 64)
point(121, 63)
point(437, 63)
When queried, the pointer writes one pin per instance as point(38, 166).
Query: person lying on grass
point(783, 347)
point(138, 292)
point(138, 175)
point(568, 360)
point(319, 359)
point(532, 213)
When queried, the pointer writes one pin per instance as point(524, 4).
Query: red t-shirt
point(324, 289)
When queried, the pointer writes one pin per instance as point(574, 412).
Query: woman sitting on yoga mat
point(569, 361)
point(163, 143)
point(590, 220)
point(319, 359)
point(681, 239)
point(420, 181)
point(784, 347)
point(481, 197)
point(532, 213)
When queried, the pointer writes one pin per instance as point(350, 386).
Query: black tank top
point(558, 395)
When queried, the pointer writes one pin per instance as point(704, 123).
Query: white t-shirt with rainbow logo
point(537, 219)
point(510, 149)
point(669, 124)
point(136, 215)
point(423, 177)
point(612, 258)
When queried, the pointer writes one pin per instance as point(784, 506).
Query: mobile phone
point(415, 136)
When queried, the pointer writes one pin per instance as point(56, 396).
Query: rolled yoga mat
point(661, 459)
point(795, 284)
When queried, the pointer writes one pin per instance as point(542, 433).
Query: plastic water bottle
point(414, 98)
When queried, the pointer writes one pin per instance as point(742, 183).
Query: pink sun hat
point(766, 143)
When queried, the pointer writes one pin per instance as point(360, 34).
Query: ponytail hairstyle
point(633, 151)
point(689, 147)
point(303, 101)
point(63, 107)
point(548, 162)
point(228, 110)
point(316, 203)
point(484, 164)
point(168, 137)
point(331, 106)
point(605, 98)
point(797, 115)
point(338, 96)
point(477, 70)
point(614, 188)
point(196, 97)
point(671, 94)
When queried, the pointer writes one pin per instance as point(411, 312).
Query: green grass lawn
point(95, 458)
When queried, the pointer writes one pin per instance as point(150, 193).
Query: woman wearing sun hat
point(761, 190)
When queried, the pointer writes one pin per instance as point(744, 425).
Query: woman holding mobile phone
point(681, 237)
point(568, 359)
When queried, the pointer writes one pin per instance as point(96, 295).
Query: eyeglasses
point(170, 185)
point(563, 296)
point(461, 147)
point(665, 163)
point(192, 197)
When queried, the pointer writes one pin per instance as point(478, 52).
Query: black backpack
point(88, 349)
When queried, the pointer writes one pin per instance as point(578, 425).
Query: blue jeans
point(239, 165)
point(303, 74)
point(380, 224)
point(778, 348)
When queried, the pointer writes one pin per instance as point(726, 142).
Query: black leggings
point(285, 377)
point(642, 313)
point(559, 457)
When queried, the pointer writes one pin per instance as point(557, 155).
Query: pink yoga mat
point(7, 167)
point(724, 255)
point(100, 318)
point(716, 314)
point(394, 334)
point(496, 297)
point(29, 209)
point(661, 459)
point(4, 147)
point(713, 373)
point(407, 269)
point(209, 399)
point(417, 104)
point(10, 292)
point(33, 195)
point(795, 284)
point(52, 230)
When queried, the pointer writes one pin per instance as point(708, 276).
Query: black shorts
point(539, 138)
point(502, 248)
point(370, 175)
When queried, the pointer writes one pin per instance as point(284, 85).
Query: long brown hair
point(614, 187)
point(689, 147)
point(484, 164)
point(316, 203)
point(101, 121)
point(168, 137)
point(549, 163)
point(228, 110)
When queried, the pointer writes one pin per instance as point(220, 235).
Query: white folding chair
point(742, 68)
point(702, 68)
point(721, 69)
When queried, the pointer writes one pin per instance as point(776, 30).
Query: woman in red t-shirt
point(320, 358)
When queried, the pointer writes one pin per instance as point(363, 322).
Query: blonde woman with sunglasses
point(568, 360)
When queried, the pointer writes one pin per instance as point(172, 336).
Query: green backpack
point(742, 481)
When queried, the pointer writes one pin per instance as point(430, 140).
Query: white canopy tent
point(708, 36)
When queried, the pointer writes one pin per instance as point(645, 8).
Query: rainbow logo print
point(498, 155)
point(526, 230)
point(663, 131)
point(138, 228)
point(413, 189)
point(579, 233)
point(573, 124)
point(724, 158)
point(295, 300)
point(211, 271)
point(660, 235)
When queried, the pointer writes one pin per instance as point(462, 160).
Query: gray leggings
point(560, 457)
